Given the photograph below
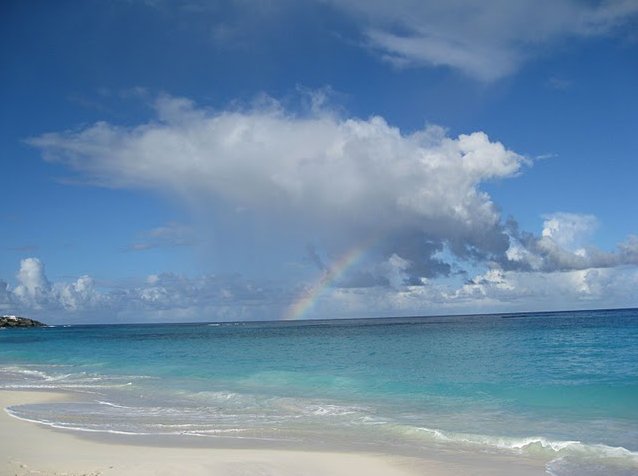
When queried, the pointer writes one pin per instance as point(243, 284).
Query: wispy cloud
point(170, 235)
point(486, 40)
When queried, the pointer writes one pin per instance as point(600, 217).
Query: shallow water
point(559, 387)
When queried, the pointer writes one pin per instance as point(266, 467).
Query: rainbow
point(309, 296)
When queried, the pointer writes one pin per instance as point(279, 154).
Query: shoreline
point(29, 448)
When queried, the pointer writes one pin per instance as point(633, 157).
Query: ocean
point(558, 387)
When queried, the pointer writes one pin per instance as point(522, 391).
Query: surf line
point(309, 296)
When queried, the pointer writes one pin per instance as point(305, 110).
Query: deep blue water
point(562, 387)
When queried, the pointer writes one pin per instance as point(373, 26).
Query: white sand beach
point(33, 449)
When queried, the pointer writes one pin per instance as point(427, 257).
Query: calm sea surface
point(561, 387)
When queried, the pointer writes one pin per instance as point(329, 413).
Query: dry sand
point(32, 449)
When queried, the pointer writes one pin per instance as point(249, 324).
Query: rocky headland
point(16, 321)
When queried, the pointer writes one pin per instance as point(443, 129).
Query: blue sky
point(192, 160)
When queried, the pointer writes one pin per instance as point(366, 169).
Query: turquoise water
point(561, 387)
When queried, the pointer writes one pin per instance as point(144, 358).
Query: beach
point(27, 448)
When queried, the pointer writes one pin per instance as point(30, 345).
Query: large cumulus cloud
point(335, 180)
point(328, 185)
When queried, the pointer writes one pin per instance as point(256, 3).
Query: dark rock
point(15, 321)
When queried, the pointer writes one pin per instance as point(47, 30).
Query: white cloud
point(564, 245)
point(593, 287)
point(166, 296)
point(568, 230)
point(35, 292)
point(486, 40)
point(335, 179)
point(173, 298)
point(493, 291)
point(78, 295)
point(395, 271)
point(33, 284)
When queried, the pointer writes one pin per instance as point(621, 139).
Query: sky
point(190, 160)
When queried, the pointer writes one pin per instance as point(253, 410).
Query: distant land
point(16, 321)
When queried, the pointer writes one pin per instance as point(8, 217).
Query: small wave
point(530, 444)
point(372, 420)
point(216, 431)
point(25, 372)
point(216, 396)
point(114, 405)
point(61, 377)
point(331, 410)
point(234, 433)
point(63, 426)
point(564, 456)
point(35, 386)
point(56, 378)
